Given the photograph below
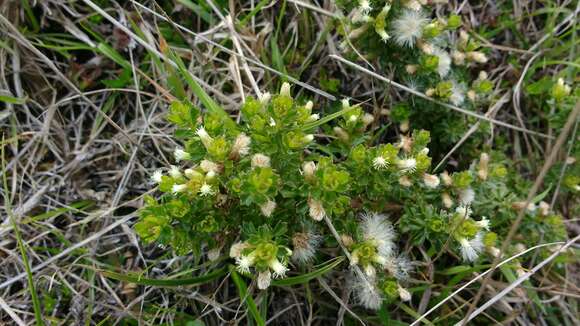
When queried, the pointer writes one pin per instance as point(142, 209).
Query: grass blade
point(245, 297)
point(137, 279)
point(305, 278)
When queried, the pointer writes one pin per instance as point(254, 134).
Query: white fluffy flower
point(157, 176)
point(244, 263)
point(207, 166)
point(466, 196)
point(268, 208)
point(444, 64)
point(430, 180)
point(470, 249)
point(206, 190)
point(365, 6)
point(264, 279)
point(305, 246)
point(408, 27)
point(178, 188)
point(407, 165)
point(316, 210)
point(376, 227)
point(174, 172)
point(181, 155)
point(380, 163)
point(366, 293)
point(278, 268)
point(457, 94)
point(260, 161)
point(241, 145)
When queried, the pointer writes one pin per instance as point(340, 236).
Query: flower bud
point(285, 89)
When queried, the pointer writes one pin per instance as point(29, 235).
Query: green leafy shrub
point(261, 190)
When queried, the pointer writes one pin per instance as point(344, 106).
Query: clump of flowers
point(284, 191)
point(426, 50)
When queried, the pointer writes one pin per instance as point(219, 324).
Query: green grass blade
point(245, 297)
point(137, 279)
point(207, 101)
point(305, 278)
point(7, 205)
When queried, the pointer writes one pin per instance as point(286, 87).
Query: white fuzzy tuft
point(376, 227)
point(408, 27)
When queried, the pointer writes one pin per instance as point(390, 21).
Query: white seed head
point(457, 94)
point(430, 180)
point(468, 252)
point(244, 263)
point(365, 6)
point(241, 145)
point(405, 181)
point(366, 292)
point(444, 63)
point(264, 279)
point(207, 165)
point(377, 228)
point(305, 245)
point(268, 208)
point(408, 27)
point(260, 161)
point(483, 223)
point(316, 210)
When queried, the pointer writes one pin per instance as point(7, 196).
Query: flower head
point(241, 145)
point(285, 89)
point(466, 196)
point(305, 245)
point(244, 263)
point(376, 227)
point(174, 172)
point(278, 268)
point(316, 210)
point(366, 292)
point(380, 163)
point(470, 249)
point(181, 155)
point(407, 165)
point(268, 208)
point(207, 166)
point(457, 94)
point(408, 27)
point(260, 161)
point(365, 6)
point(431, 180)
point(206, 190)
point(264, 279)
point(156, 177)
point(444, 63)
point(308, 169)
point(178, 188)
point(204, 137)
